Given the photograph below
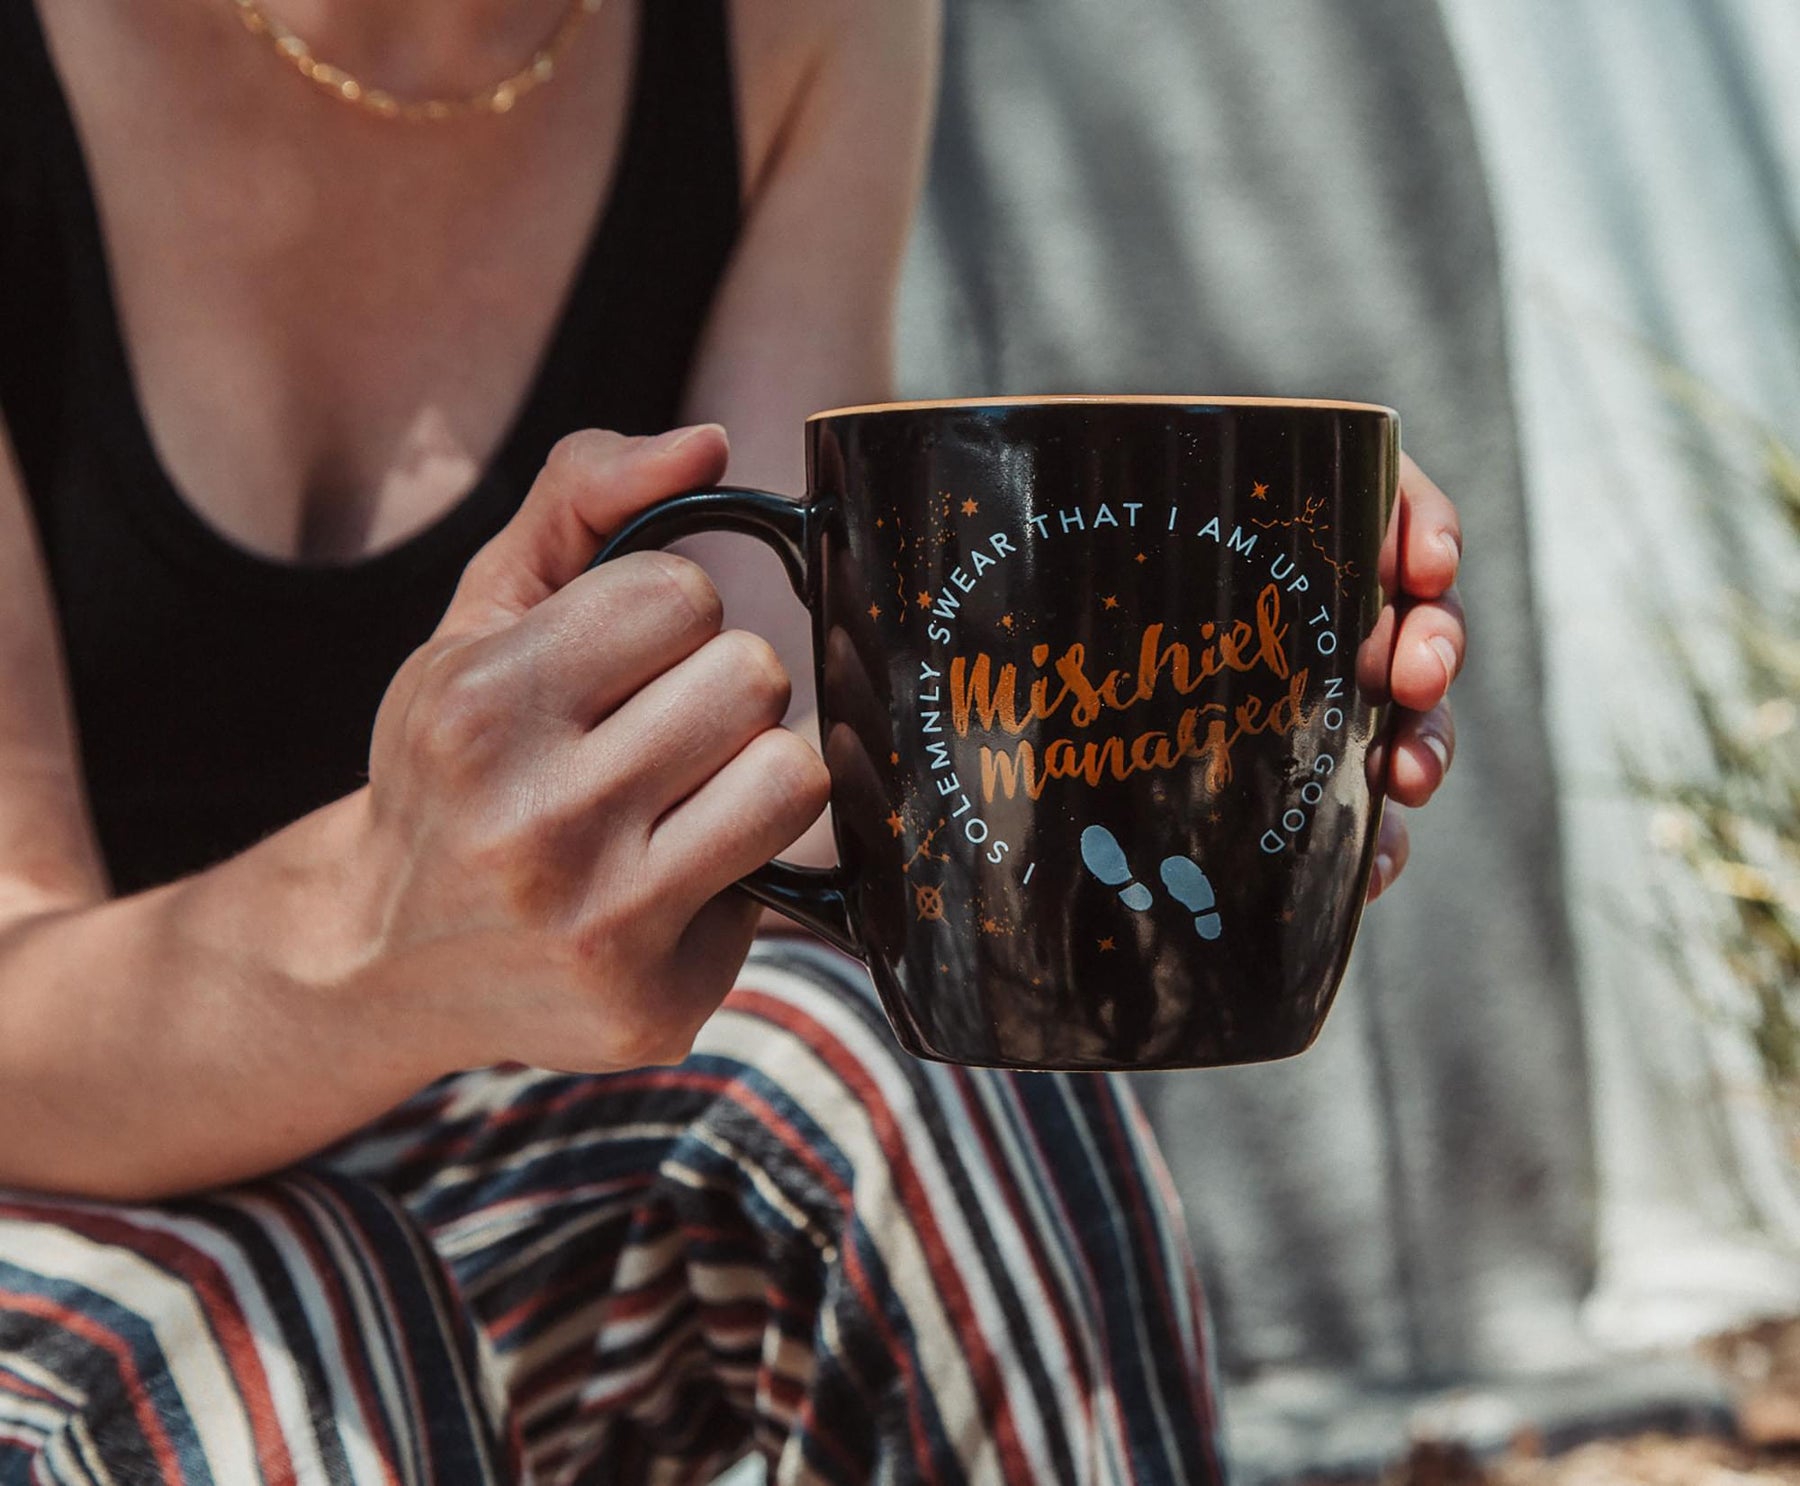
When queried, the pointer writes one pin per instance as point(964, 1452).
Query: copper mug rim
point(1084, 399)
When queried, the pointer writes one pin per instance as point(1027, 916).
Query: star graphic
point(874, 611)
point(893, 758)
point(1141, 557)
point(924, 600)
point(896, 824)
point(970, 507)
point(1111, 601)
point(1106, 944)
point(990, 926)
point(1259, 491)
point(1006, 621)
point(880, 521)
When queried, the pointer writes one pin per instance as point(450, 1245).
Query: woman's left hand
point(1420, 569)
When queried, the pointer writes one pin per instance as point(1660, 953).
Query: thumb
point(591, 484)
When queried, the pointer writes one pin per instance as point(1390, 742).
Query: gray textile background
point(1645, 159)
point(1285, 197)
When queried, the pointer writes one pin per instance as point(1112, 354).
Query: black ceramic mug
point(1098, 681)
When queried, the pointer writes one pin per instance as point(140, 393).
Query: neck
point(418, 48)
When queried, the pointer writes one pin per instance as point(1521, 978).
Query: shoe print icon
point(1186, 883)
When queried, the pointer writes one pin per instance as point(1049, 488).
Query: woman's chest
point(330, 318)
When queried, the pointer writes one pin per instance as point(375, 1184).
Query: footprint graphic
point(1190, 888)
point(1105, 858)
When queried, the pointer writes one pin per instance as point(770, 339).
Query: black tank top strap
point(668, 229)
point(35, 266)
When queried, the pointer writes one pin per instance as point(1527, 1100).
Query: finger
point(745, 815)
point(684, 727)
point(707, 958)
point(1420, 756)
point(591, 483)
point(691, 981)
point(1392, 849)
point(589, 647)
point(1375, 658)
point(712, 951)
point(1428, 549)
point(1428, 653)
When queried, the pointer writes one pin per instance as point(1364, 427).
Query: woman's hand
point(1420, 569)
point(566, 779)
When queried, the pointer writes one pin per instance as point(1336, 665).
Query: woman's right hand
point(566, 779)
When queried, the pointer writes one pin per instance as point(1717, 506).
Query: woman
point(288, 329)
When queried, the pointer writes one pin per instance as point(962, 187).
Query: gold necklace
point(497, 99)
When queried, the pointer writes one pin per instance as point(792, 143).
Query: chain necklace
point(497, 99)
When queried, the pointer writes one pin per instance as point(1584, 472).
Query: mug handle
point(815, 897)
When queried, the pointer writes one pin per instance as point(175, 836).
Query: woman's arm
point(104, 1007)
point(48, 858)
point(536, 871)
point(836, 117)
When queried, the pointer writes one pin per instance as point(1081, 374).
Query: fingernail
point(1384, 870)
point(1440, 750)
point(1446, 652)
point(666, 443)
point(1451, 546)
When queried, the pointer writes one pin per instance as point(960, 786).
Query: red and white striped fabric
point(800, 1242)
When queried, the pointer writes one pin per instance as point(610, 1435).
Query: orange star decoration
point(896, 824)
point(1006, 621)
point(970, 507)
point(1106, 944)
point(1259, 491)
point(924, 600)
point(1111, 601)
point(874, 611)
point(1142, 557)
point(893, 758)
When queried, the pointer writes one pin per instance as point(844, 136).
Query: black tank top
point(218, 694)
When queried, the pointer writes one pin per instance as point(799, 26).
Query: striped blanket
point(799, 1243)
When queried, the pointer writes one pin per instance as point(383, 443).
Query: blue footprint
point(1190, 888)
point(1105, 858)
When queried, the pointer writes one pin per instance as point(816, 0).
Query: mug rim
point(1097, 399)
